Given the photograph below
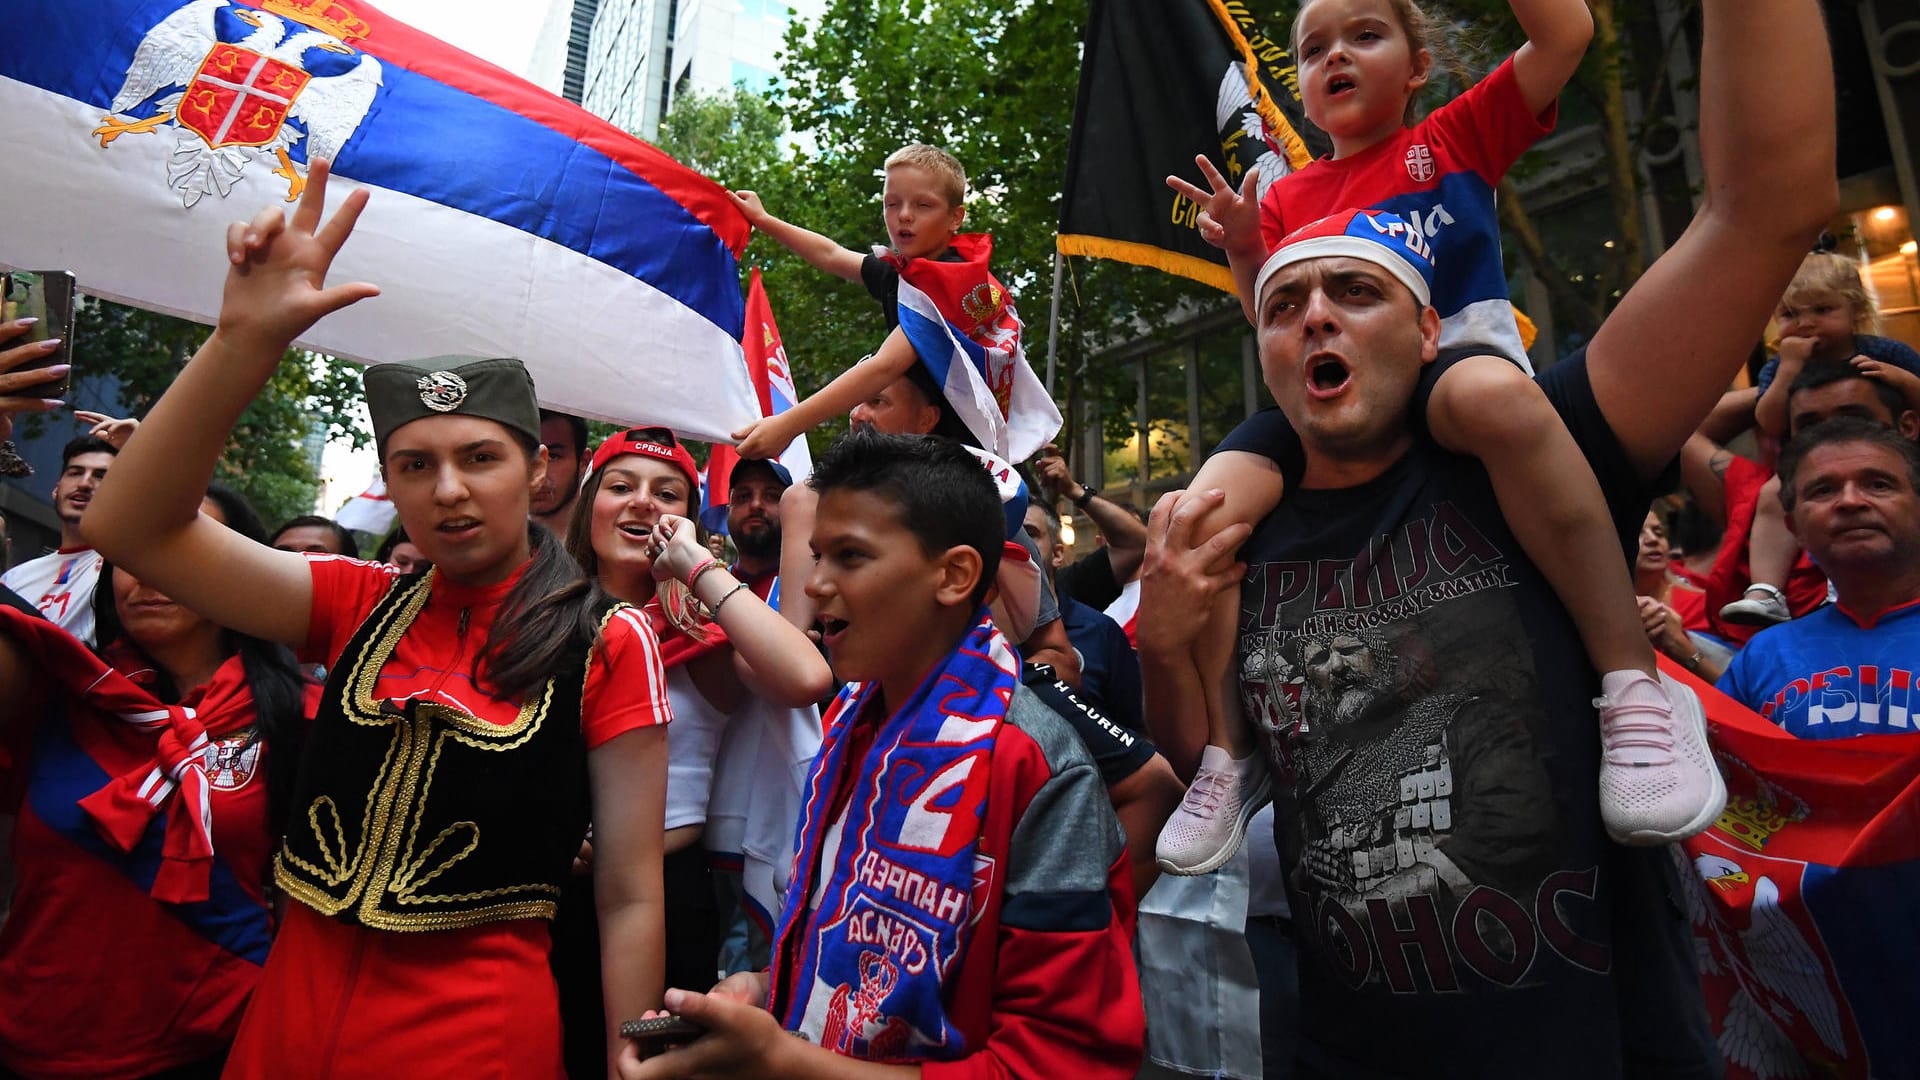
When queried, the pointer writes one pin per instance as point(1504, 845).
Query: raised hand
point(277, 286)
point(762, 439)
point(1053, 474)
point(115, 431)
point(676, 549)
point(1229, 219)
point(749, 204)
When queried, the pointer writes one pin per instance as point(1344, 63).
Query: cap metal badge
point(442, 391)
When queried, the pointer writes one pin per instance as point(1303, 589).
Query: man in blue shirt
point(1849, 487)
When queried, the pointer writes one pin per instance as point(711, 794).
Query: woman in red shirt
point(1671, 609)
point(98, 929)
point(722, 647)
point(470, 712)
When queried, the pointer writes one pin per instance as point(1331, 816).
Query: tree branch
point(1513, 214)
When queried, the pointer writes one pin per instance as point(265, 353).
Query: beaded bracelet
point(718, 604)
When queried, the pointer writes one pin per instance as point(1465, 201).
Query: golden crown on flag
point(1754, 821)
point(981, 303)
point(328, 16)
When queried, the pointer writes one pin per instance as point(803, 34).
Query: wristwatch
point(1087, 492)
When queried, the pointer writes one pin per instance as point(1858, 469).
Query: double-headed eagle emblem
point(237, 83)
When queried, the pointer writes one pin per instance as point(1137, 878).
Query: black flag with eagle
point(1160, 82)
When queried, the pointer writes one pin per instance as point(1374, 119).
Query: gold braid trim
point(399, 796)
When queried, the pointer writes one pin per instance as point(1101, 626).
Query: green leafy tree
point(133, 355)
point(992, 83)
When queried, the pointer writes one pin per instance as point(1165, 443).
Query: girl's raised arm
point(1558, 32)
point(146, 516)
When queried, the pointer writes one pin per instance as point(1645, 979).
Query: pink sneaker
point(1658, 780)
point(1211, 821)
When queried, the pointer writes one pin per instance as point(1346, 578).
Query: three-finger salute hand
point(1229, 217)
point(277, 279)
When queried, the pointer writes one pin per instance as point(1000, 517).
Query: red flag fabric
point(1797, 895)
point(772, 380)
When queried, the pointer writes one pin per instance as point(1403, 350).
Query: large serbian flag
point(773, 382)
point(1803, 899)
point(504, 221)
point(961, 322)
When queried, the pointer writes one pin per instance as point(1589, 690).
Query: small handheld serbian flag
point(504, 220)
point(961, 322)
point(773, 382)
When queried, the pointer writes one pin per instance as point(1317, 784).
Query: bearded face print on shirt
point(1397, 696)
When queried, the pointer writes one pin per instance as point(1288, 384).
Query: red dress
point(339, 1000)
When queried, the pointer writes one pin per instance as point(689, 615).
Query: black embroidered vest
point(428, 818)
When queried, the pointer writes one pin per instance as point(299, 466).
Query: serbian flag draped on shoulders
point(504, 220)
point(961, 322)
point(772, 380)
point(1802, 898)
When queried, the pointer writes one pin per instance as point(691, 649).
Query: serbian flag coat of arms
point(773, 382)
point(1803, 893)
point(504, 221)
point(961, 322)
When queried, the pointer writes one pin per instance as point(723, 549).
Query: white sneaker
point(1658, 780)
point(1763, 605)
point(1211, 821)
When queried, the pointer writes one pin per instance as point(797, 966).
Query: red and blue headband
point(1375, 236)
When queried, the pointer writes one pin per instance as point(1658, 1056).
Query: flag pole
point(1053, 322)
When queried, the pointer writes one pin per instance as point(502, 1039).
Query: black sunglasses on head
point(650, 434)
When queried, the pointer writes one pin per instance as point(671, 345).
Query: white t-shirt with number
point(60, 584)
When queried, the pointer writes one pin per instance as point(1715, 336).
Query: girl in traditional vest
point(154, 913)
point(1362, 62)
point(475, 717)
point(724, 649)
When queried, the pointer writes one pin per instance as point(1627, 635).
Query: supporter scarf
point(176, 780)
point(864, 975)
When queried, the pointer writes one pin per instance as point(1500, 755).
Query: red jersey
point(1440, 176)
point(343, 1001)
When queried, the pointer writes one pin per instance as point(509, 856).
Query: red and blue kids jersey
point(1439, 175)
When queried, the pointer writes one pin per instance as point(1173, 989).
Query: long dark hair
point(273, 675)
point(547, 614)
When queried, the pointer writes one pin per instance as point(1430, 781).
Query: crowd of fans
point(883, 763)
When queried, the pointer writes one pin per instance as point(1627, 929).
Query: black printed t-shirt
point(1426, 706)
point(1117, 751)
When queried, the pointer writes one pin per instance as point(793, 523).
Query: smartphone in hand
point(660, 1032)
point(46, 295)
